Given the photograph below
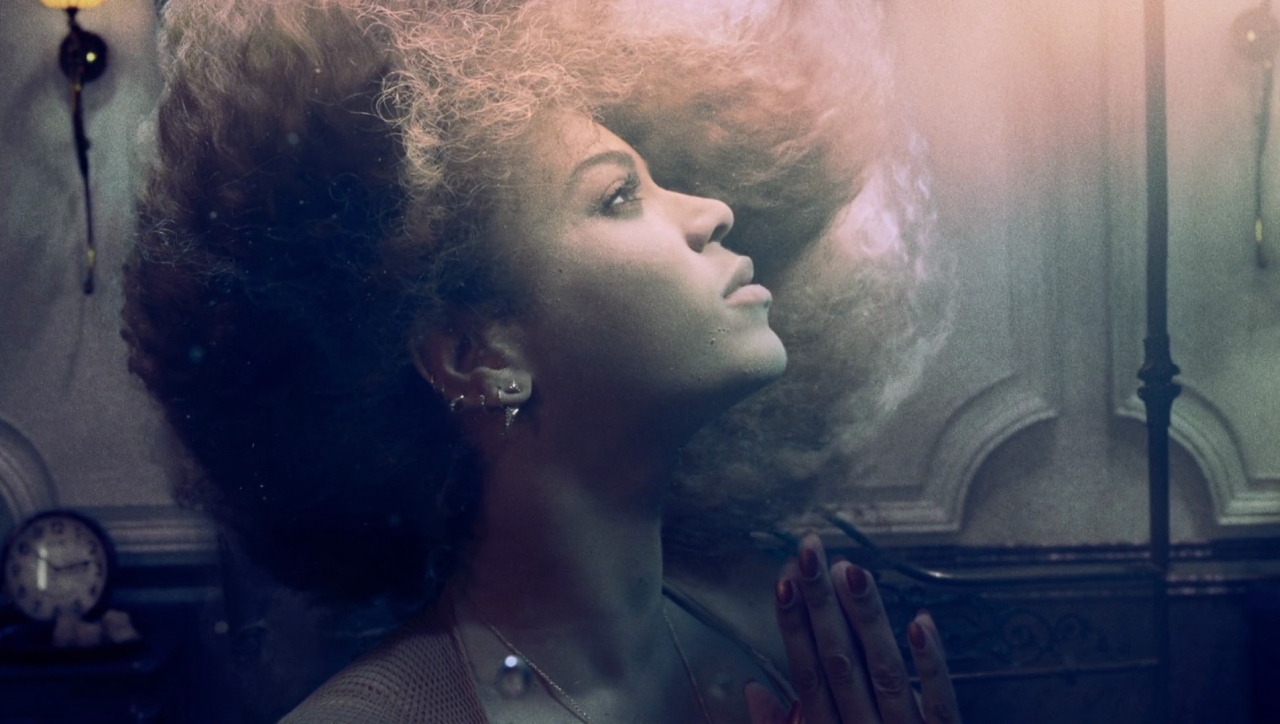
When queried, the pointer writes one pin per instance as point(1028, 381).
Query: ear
point(482, 362)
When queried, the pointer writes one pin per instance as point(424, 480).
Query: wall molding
point(158, 535)
point(1207, 435)
point(26, 487)
point(987, 420)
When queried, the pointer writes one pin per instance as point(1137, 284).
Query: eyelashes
point(620, 197)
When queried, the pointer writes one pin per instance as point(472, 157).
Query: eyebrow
point(604, 158)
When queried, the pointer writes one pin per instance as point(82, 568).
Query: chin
point(764, 363)
point(752, 368)
point(771, 359)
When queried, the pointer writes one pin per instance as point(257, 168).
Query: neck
point(568, 557)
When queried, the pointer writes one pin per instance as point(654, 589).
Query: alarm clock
point(57, 562)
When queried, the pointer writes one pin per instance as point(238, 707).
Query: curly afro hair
point(322, 178)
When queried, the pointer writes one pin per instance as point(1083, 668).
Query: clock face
point(56, 563)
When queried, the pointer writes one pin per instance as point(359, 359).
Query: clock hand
point(69, 566)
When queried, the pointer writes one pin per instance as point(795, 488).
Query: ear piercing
point(509, 412)
point(512, 388)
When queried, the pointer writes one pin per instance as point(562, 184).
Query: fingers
point(764, 708)
point(802, 652)
point(845, 662)
point(837, 648)
point(937, 695)
point(860, 600)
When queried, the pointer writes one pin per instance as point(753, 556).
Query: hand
point(69, 566)
point(845, 663)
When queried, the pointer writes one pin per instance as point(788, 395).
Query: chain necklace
point(561, 696)
point(688, 669)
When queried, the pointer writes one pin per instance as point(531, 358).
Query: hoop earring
point(456, 403)
point(500, 393)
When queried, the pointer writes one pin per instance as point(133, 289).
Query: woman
point(428, 327)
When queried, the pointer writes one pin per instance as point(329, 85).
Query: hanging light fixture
point(83, 58)
point(1256, 35)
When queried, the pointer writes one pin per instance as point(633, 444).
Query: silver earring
point(482, 402)
point(456, 403)
point(512, 388)
point(509, 414)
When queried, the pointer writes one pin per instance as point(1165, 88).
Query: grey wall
point(75, 429)
point(1027, 429)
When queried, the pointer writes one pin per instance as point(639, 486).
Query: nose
point(706, 221)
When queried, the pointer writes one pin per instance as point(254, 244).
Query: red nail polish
point(857, 580)
point(809, 563)
point(783, 592)
point(915, 634)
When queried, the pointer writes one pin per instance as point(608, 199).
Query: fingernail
point(794, 716)
point(857, 580)
point(784, 593)
point(809, 563)
point(915, 634)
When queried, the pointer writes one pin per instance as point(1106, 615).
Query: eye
point(622, 195)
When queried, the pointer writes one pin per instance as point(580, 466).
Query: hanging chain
point(561, 696)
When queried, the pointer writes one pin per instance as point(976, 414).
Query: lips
point(741, 292)
point(742, 276)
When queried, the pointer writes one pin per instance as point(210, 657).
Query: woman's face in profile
point(631, 294)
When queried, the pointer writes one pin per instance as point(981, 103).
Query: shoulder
point(419, 673)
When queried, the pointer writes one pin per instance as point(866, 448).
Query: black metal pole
point(1158, 389)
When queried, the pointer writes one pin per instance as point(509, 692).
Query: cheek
point(632, 308)
point(637, 297)
point(622, 273)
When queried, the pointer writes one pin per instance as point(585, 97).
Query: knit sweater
point(420, 675)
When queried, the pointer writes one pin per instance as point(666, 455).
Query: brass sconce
point(83, 58)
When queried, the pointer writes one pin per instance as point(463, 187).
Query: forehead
point(542, 181)
point(558, 144)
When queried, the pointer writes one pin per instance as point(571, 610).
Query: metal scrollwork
point(981, 634)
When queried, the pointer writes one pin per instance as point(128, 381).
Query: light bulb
point(69, 4)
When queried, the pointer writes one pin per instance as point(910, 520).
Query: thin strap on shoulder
point(713, 621)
